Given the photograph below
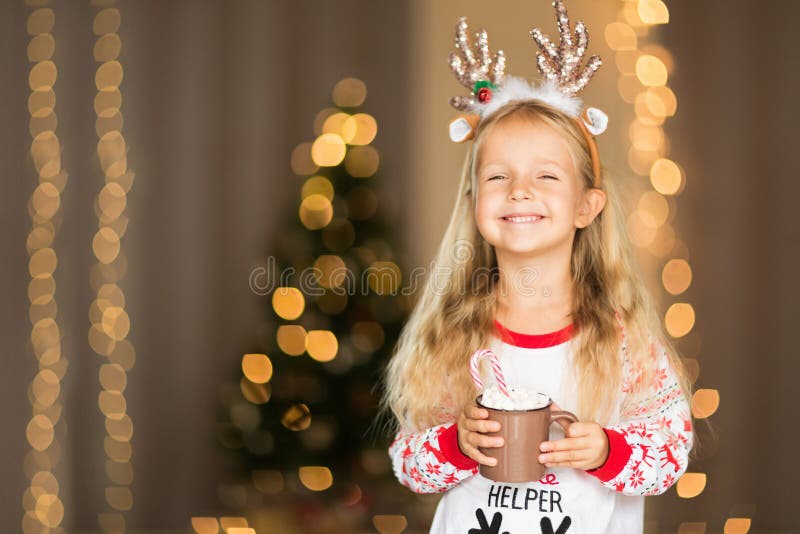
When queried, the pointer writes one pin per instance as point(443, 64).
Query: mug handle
point(563, 414)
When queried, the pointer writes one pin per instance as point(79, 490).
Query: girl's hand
point(473, 424)
point(584, 447)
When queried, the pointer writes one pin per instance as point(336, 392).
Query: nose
point(520, 190)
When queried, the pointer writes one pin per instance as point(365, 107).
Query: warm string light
point(229, 525)
point(110, 323)
point(644, 71)
point(43, 508)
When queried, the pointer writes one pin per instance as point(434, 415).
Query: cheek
point(483, 209)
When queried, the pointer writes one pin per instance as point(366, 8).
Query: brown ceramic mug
point(522, 432)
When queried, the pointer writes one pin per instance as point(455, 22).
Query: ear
point(463, 128)
point(592, 203)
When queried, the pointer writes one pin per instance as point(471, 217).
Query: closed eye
point(498, 176)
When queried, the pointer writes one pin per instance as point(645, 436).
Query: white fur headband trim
point(515, 88)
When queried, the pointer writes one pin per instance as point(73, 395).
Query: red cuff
point(448, 444)
point(619, 452)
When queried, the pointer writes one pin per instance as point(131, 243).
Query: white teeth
point(522, 219)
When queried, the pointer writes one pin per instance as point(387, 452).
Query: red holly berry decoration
point(484, 94)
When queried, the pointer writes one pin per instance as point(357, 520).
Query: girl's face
point(529, 197)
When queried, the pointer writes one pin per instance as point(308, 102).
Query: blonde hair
point(427, 381)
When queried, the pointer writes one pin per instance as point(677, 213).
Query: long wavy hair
point(427, 380)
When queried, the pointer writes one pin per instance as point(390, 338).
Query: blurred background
point(167, 165)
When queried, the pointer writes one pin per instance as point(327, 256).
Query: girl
point(535, 265)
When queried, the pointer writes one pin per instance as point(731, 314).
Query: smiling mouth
point(523, 219)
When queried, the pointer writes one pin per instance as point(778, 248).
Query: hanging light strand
point(644, 69)
point(110, 322)
point(43, 508)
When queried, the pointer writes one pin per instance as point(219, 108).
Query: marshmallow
point(518, 399)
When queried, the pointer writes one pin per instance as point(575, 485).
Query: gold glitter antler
point(563, 63)
point(475, 69)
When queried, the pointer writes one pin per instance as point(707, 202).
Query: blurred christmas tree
point(306, 396)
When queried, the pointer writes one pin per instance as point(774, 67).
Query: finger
point(482, 440)
point(565, 444)
point(483, 459)
point(565, 458)
point(578, 429)
point(472, 411)
point(478, 456)
point(482, 425)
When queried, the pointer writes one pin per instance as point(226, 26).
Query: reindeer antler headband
point(560, 66)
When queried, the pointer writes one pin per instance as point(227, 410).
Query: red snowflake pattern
point(433, 468)
point(637, 478)
point(659, 378)
point(414, 474)
point(450, 478)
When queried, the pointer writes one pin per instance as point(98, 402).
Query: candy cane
point(476, 374)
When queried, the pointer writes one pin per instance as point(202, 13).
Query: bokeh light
point(255, 393)
point(666, 177)
point(301, 162)
point(367, 336)
point(316, 478)
point(679, 319)
point(737, 525)
point(316, 211)
point(317, 185)
point(205, 525)
point(642, 228)
point(268, 481)
point(651, 71)
point(330, 271)
point(620, 36)
point(646, 136)
point(328, 150)
point(653, 11)
point(349, 93)
point(292, 339)
point(389, 524)
point(359, 129)
point(704, 403)
point(334, 124)
point(692, 527)
point(654, 205)
point(288, 302)
point(257, 368)
point(362, 161)
point(384, 277)
point(41, 21)
point(691, 485)
point(297, 417)
point(322, 345)
point(676, 276)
